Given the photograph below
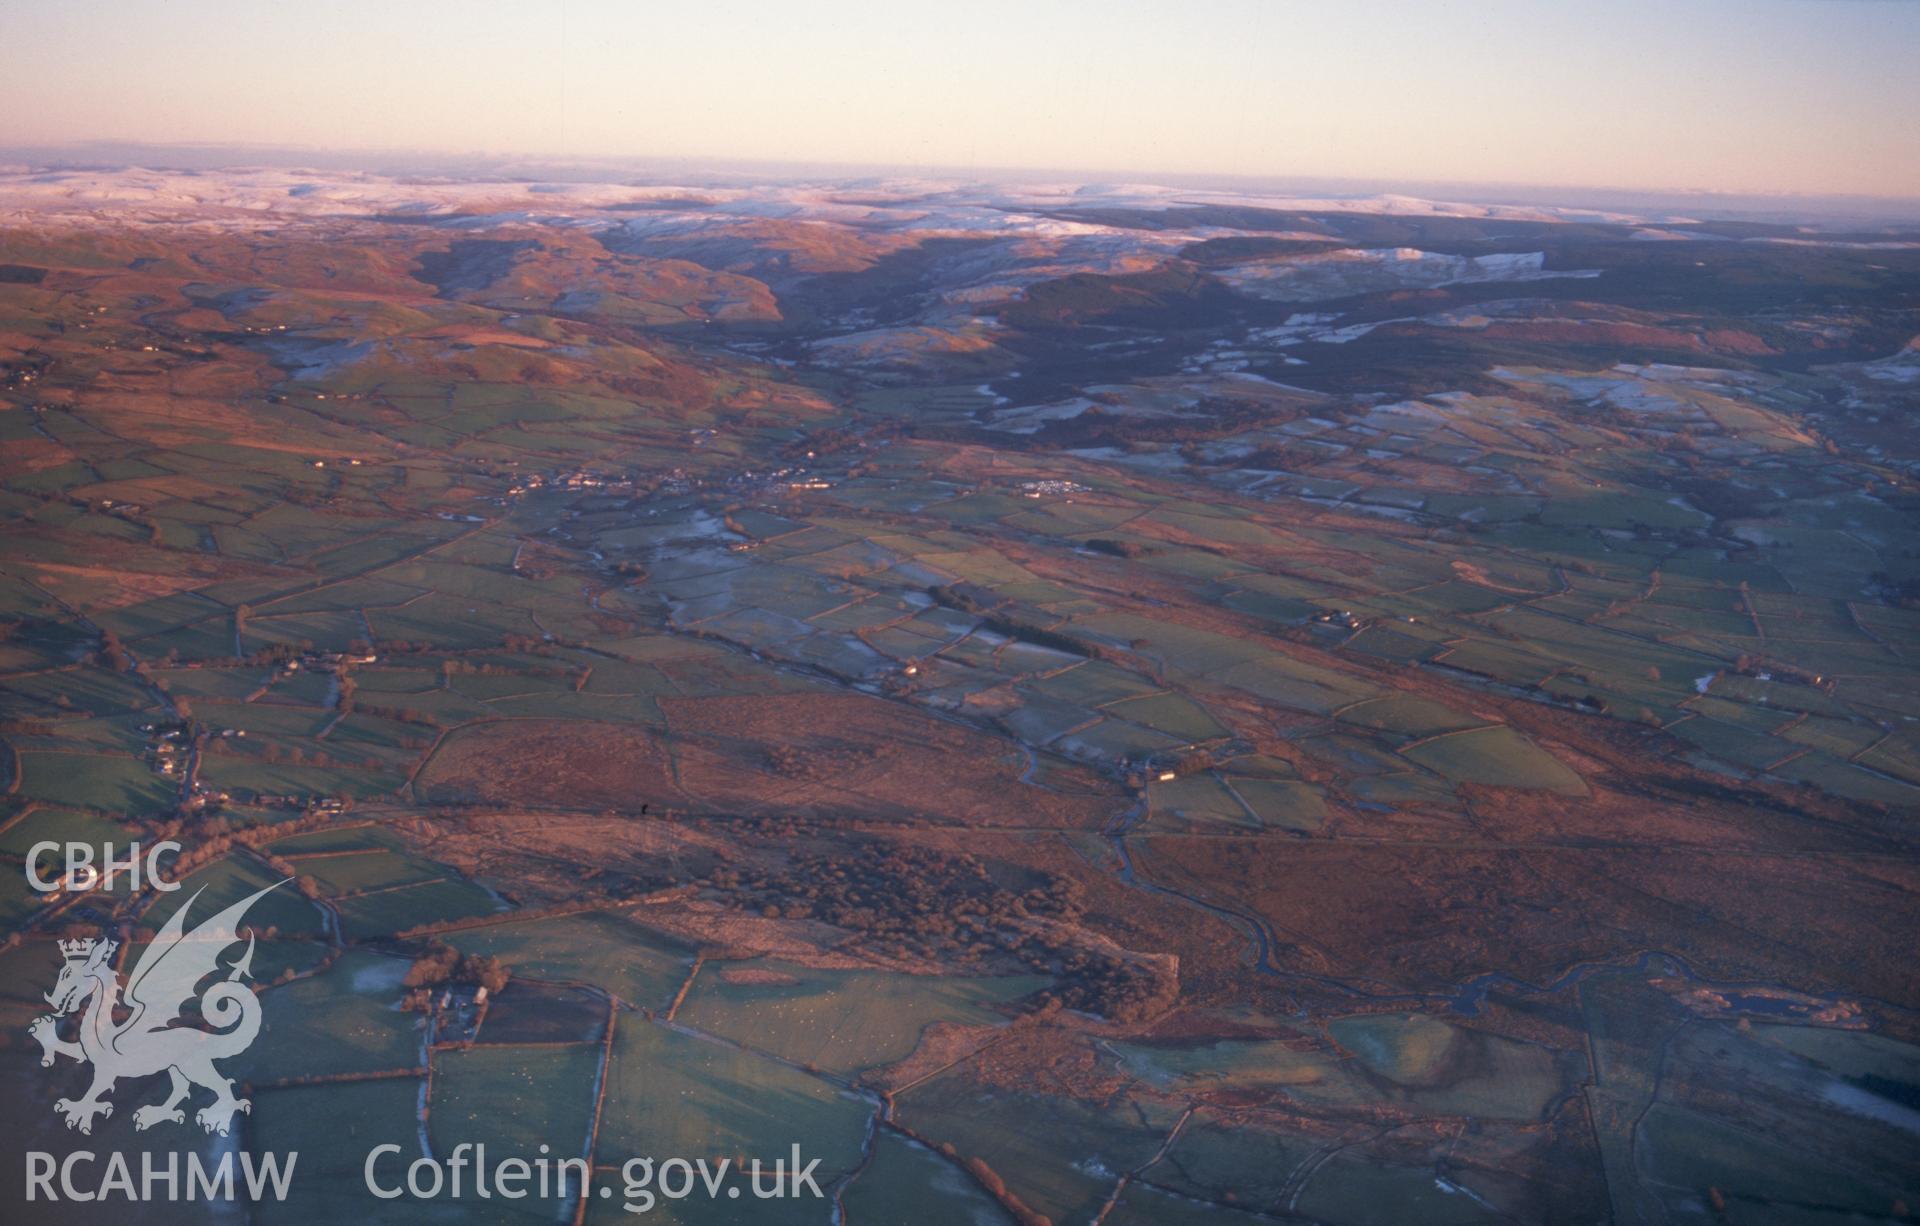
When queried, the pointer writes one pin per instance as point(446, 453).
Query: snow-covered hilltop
point(250, 197)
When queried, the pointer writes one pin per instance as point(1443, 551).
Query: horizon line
point(284, 155)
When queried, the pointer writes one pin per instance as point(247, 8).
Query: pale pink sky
point(1810, 96)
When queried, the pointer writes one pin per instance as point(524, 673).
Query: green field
point(1496, 757)
point(601, 949)
point(839, 1021)
point(344, 1020)
point(670, 1093)
point(1060, 1156)
point(399, 908)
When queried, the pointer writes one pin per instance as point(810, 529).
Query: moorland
point(1097, 704)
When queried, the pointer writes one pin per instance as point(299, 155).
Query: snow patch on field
point(1902, 367)
point(1349, 271)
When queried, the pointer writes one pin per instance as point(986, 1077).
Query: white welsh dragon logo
point(151, 1038)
